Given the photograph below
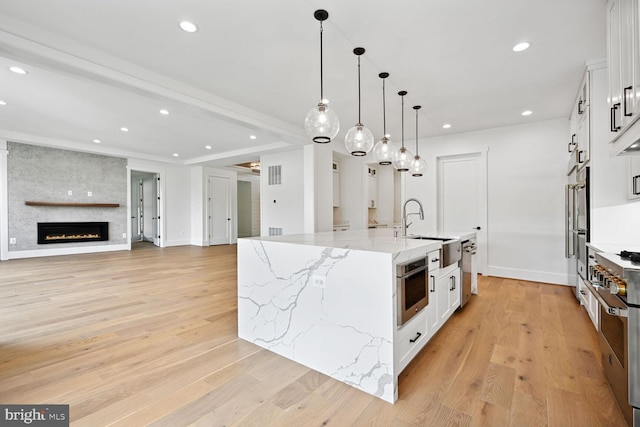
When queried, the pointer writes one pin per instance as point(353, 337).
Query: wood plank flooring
point(149, 337)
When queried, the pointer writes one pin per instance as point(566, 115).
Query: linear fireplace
point(67, 232)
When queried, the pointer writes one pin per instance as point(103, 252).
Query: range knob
point(618, 286)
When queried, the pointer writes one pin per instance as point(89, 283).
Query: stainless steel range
point(616, 281)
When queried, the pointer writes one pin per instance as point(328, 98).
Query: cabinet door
point(433, 317)
point(628, 45)
point(614, 62)
point(442, 295)
point(634, 177)
point(455, 289)
point(583, 139)
point(336, 189)
point(372, 192)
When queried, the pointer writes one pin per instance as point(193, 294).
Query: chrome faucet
point(404, 224)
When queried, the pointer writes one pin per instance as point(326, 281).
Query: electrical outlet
point(12, 241)
point(124, 235)
point(319, 281)
point(69, 193)
point(89, 193)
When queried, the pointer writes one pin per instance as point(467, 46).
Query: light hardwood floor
point(149, 337)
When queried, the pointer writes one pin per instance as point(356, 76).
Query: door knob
point(476, 228)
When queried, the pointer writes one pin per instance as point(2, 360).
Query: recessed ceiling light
point(208, 147)
point(189, 27)
point(17, 70)
point(252, 137)
point(446, 126)
point(176, 154)
point(124, 129)
point(527, 113)
point(97, 141)
point(521, 46)
point(3, 102)
point(164, 112)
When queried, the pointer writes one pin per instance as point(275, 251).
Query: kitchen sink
point(451, 251)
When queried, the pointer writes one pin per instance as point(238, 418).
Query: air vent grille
point(275, 231)
point(275, 175)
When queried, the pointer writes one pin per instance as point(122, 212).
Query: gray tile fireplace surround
point(47, 175)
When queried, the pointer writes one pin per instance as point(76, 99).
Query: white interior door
point(462, 198)
point(219, 207)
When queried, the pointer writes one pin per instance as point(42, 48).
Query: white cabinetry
point(580, 138)
point(634, 177)
point(447, 296)
point(410, 339)
point(336, 185)
point(623, 51)
point(433, 317)
point(372, 189)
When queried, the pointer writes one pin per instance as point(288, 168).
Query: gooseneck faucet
point(404, 224)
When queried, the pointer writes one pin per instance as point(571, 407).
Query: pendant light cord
point(359, 102)
point(321, 79)
point(402, 127)
point(384, 112)
point(416, 132)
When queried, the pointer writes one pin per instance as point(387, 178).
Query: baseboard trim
point(66, 251)
point(530, 275)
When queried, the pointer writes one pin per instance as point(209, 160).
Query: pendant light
point(321, 123)
point(418, 164)
point(359, 139)
point(383, 150)
point(402, 157)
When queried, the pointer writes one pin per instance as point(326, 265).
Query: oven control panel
point(606, 278)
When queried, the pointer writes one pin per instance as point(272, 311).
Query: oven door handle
point(613, 311)
point(412, 272)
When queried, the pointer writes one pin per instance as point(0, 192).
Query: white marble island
point(327, 301)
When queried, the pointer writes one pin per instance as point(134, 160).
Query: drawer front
point(410, 339)
point(434, 260)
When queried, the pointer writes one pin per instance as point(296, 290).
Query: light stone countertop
point(372, 240)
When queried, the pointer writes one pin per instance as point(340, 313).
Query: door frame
point(161, 203)
point(230, 212)
point(483, 235)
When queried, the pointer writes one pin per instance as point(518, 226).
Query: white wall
point(526, 178)
point(353, 188)
point(283, 205)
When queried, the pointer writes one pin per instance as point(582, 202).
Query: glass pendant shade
point(359, 140)
point(418, 166)
point(383, 151)
point(402, 159)
point(322, 124)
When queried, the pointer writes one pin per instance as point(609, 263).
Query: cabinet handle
point(583, 292)
point(433, 283)
point(624, 94)
point(636, 190)
point(454, 282)
point(416, 338)
point(580, 110)
point(614, 128)
point(580, 160)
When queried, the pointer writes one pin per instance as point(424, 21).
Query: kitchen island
point(328, 301)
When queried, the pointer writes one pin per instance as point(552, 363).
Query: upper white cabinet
point(623, 54)
point(336, 185)
point(580, 137)
point(372, 190)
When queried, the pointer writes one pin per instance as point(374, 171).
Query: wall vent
point(275, 231)
point(275, 175)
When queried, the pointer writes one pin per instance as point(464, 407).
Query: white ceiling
point(253, 68)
